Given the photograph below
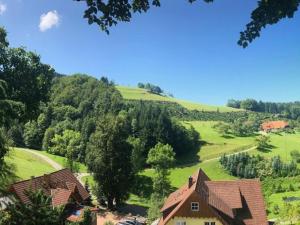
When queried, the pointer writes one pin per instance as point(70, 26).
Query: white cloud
point(49, 20)
point(2, 8)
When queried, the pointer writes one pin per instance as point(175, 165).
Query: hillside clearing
point(214, 145)
point(27, 164)
point(142, 94)
point(281, 144)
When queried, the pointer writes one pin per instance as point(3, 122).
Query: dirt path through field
point(51, 162)
point(54, 164)
point(235, 153)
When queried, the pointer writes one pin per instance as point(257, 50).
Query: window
point(195, 206)
point(180, 223)
point(210, 223)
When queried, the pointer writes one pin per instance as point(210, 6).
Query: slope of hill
point(27, 164)
point(143, 94)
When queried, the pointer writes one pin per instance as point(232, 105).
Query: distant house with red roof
point(205, 202)
point(62, 186)
point(274, 125)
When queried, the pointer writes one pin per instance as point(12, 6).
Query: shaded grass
point(142, 94)
point(27, 165)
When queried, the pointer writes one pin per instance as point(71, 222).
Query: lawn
point(142, 94)
point(27, 164)
point(215, 145)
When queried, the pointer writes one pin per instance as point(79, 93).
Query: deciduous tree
point(108, 13)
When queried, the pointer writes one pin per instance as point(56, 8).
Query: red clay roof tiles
point(238, 201)
point(266, 126)
point(62, 181)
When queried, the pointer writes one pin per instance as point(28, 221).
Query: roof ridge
point(33, 178)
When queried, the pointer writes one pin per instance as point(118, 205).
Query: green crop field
point(27, 165)
point(143, 94)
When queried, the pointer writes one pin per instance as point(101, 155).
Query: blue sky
point(189, 50)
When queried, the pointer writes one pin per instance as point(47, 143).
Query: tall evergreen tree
point(109, 159)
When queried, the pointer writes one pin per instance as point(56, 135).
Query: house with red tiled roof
point(63, 187)
point(205, 202)
point(274, 125)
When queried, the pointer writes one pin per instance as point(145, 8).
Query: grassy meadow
point(27, 164)
point(281, 144)
point(214, 145)
point(62, 161)
point(142, 94)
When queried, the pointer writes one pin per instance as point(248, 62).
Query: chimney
point(190, 181)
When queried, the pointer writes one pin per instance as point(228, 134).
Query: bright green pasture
point(62, 161)
point(27, 164)
point(215, 145)
point(143, 94)
point(281, 144)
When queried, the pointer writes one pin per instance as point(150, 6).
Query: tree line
point(154, 89)
point(244, 165)
point(289, 110)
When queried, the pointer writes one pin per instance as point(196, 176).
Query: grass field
point(143, 94)
point(282, 144)
point(62, 161)
point(27, 164)
point(215, 145)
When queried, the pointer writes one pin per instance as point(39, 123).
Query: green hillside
point(27, 164)
point(214, 145)
point(143, 94)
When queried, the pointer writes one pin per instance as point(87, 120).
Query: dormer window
point(195, 206)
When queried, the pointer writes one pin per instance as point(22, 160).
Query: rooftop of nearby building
point(270, 125)
point(60, 185)
point(231, 202)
